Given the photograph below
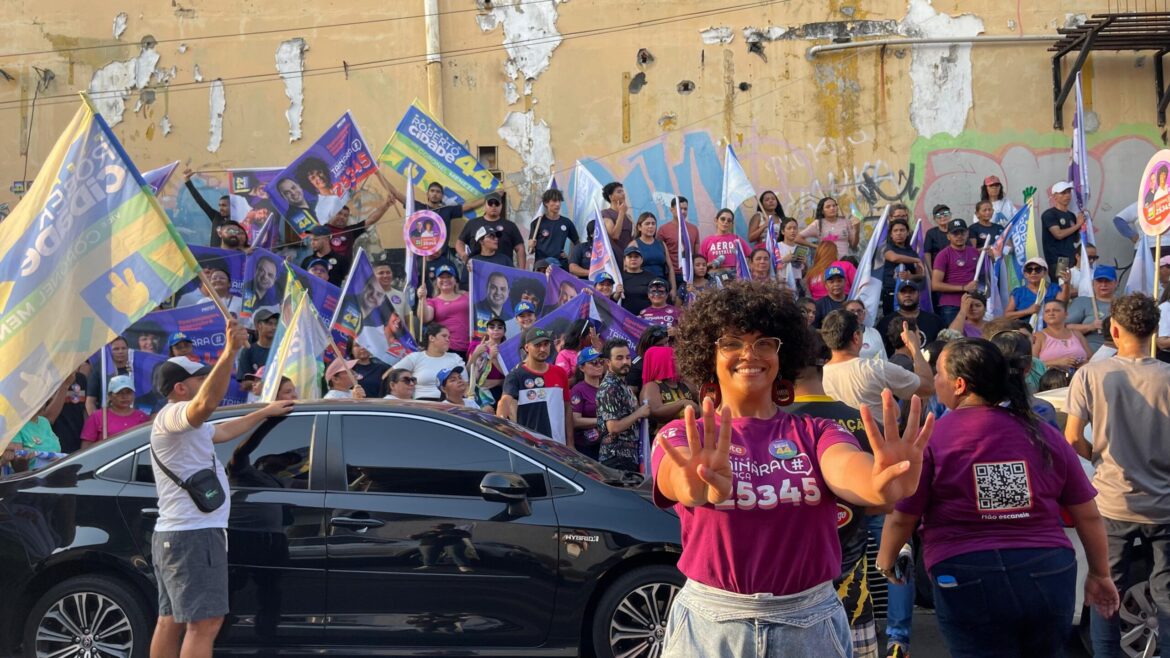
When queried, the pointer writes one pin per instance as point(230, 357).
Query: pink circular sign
point(1154, 195)
point(424, 233)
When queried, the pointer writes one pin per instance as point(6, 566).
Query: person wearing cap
point(435, 356)
point(553, 229)
point(487, 244)
point(511, 242)
point(603, 284)
point(953, 271)
point(719, 248)
point(368, 369)
point(486, 371)
point(254, 356)
point(189, 546)
point(635, 280)
point(119, 350)
point(434, 202)
point(1085, 316)
point(454, 387)
point(523, 317)
point(618, 411)
point(320, 241)
point(909, 308)
point(837, 291)
point(340, 378)
point(983, 231)
point(1002, 208)
point(536, 394)
point(319, 267)
point(1060, 227)
point(936, 238)
point(659, 312)
point(902, 261)
point(450, 307)
point(583, 402)
point(118, 417)
point(1023, 302)
point(180, 344)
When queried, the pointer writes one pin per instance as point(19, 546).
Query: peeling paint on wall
point(112, 84)
point(290, 62)
point(530, 35)
point(165, 125)
point(120, 24)
point(940, 75)
point(217, 104)
point(511, 96)
point(716, 35)
point(197, 74)
point(823, 30)
point(532, 141)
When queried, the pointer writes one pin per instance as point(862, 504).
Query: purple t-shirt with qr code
point(777, 533)
point(985, 485)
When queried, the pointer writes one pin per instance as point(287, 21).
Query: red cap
point(991, 180)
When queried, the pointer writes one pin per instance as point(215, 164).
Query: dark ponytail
point(995, 372)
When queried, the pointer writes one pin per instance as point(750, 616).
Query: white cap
point(121, 383)
point(1037, 261)
point(1062, 186)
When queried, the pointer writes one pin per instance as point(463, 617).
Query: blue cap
point(602, 276)
point(586, 355)
point(633, 248)
point(318, 261)
point(444, 269)
point(178, 337)
point(834, 270)
point(1106, 272)
point(523, 307)
point(320, 231)
point(446, 373)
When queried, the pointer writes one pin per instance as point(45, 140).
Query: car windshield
point(563, 454)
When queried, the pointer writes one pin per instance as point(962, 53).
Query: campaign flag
point(1078, 170)
point(742, 271)
point(563, 286)
point(686, 252)
point(918, 242)
point(1085, 284)
point(1023, 239)
point(202, 324)
point(157, 178)
point(557, 322)
point(495, 291)
point(212, 258)
point(264, 286)
point(587, 199)
point(363, 312)
point(298, 348)
point(602, 258)
point(736, 187)
point(1143, 270)
point(437, 156)
point(250, 206)
point(617, 322)
point(867, 285)
point(317, 184)
point(85, 253)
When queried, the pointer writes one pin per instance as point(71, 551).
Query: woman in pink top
point(719, 249)
point(578, 336)
point(756, 488)
point(829, 225)
point(450, 309)
point(1057, 345)
point(118, 417)
point(994, 481)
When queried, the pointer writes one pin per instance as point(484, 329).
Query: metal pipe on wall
point(434, 60)
point(929, 41)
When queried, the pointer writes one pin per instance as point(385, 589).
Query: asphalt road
point(927, 641)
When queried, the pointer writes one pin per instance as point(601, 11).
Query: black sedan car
point(357, 528)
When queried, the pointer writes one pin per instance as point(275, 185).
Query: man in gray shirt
point(1126, 399)
point(1085, 316)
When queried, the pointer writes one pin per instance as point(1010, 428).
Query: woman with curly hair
point(755, 488)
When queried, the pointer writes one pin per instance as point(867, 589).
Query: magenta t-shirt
point(958, 268)
point(986, 486)
point(715, 246)
point(583, 398)
point(92, 429)
point(666, 316)
point(454, 316)
point(777, 534)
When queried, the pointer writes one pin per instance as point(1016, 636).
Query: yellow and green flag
point(301, 339)
point(86, 253)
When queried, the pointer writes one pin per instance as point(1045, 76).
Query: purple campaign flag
point(602, 258)
point(202, 324)
point(364, 314)
point(918, 242)
point(157, 178)
point(557, 322)
point(741, 265)
point(1078, 171)
point(617, 322)
point(563, 286)
point(495, 291)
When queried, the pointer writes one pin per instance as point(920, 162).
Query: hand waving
point(703, 472)
point(897, 460)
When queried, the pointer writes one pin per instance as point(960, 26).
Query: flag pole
point(105, 394)
point(1157, 258)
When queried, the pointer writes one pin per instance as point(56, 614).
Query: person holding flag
point(679, 236)
point(1061, 228)
point(546, 238)
point(1026, 300)
point(902, 260)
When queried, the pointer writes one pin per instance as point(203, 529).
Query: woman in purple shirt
point(756, 488)
point(994, 480)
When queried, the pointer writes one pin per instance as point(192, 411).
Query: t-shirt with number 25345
point(777, 533)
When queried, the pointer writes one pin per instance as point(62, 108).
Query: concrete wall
point(546, 83)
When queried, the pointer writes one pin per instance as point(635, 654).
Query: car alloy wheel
point(638, 626)
point(1139, 622)
point(84, 625)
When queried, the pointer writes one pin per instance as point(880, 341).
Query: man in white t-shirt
point(189, 547)
point(859, 382)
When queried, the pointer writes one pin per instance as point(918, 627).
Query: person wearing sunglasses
point(511, 242)
point(1023, 302)
point(938, 237)
point(719, 249)
point(756, 488)
point(399, 384)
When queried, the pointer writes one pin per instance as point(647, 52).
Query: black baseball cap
point(956, 225)
point(178, 369)
point(320, 231)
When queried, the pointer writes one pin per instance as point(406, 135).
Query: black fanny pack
point(203, 486)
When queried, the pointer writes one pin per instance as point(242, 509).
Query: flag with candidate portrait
point(364, 314)
point(85, 253)
point(299, 346)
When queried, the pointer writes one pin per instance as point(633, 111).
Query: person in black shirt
point(553, 230)
point(511, 242)
point(216, 217)
point(323, 250)
point(835, 286)
point(1061, 228)
point(254, 356)
point(581, 255)
point(984, 232)
point(369, 369)
point(899, 256)
point(936, 238)
point(635, 280)
point(929, 324)
point(69, 422)
point(488, 246)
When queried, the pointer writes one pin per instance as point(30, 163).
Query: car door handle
point(350, 522)
point(150, 512)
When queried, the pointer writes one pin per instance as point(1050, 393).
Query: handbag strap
point(174, 478)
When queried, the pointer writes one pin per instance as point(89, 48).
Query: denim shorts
point(709, 622)
point(191, 567)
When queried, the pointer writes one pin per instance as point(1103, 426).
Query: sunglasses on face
point(1033, 269)
point(406, 380)
point(943, 213)
point(493, 202)
point(1092, 259)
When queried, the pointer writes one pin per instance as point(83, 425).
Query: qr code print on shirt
point(1002, 486)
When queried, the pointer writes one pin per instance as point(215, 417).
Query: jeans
point(899, 598)
point(1106, 633)
point(706, 622)
point(948, 314)
point(1006, 602)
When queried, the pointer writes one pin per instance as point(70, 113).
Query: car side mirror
point(507, 488)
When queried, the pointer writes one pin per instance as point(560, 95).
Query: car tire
point(64, 616)
point(630, 616)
